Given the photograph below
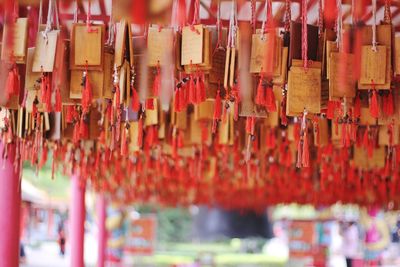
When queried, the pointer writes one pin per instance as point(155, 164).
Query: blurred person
point(61, 237)
point(377, 236)
point(351, 242)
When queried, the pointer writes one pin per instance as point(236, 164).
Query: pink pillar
point(77, 220)
point(10, 209)
point(102, 234)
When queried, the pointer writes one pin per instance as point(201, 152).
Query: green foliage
point(174, 224)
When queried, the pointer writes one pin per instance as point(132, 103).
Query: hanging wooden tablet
point(260, 46)
point(218, 67)
point(160, 43)
point(304, 89)
point(204, 110)
point(31, 78)
point(331, 47)
point(192, 45)
point(89, 55)
point(61, 76)
point(373, 65)
point(15, 49)
point(94, 127)
point(341, 78)
point(397, 55)
point(206, 64)
point(281, 79)
point(248, 107)
point(120, 35)
point(226, 130)
point(296, 42)
point(108, 72)
point(45, 51)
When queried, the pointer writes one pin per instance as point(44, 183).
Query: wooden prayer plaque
point(108, 71)
point(45, 51)
point(304, 91)
point(397, 55)
point(373, 65)
point(120, 42)
point(226, 130)
point(218, 67)
point(192, 45)
point(395, 118)
point(159, 45)
point(31, 78)
point(261, 44)
point(281, 79)
point(204, 110)
point(16, 50)
point(331, 47)
point(90, 54)
point(341, 79)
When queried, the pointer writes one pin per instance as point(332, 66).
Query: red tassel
point(75, 134)
point(135, 101)
point(124, 143)
point(150, 104)
point(70, 114)
point(43, 158)
point(250, 123)
point(306, 154)
point(270, 100)
point(192, 92)
point(330, 113)
point(177, 98)
point(260, 99)
point(83, 129)
point(388, 104)
point(58, 106)
point(12, 85)
point(48, 96)
point(366, 139)
point(373, 105)
point(198, 91)
point(202, 89)
point(357, 107)
point(182, 97)
point(157, 82)
point(87, 94)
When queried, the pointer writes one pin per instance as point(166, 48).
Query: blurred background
point(150, 235)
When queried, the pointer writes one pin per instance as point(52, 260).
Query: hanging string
point(304, 34)
point(320, 19)
point(374, 44)
point(196, 13)
point(253, 4)
point(288, 15)
point(268, 16)
point(388, 14)
point(76, 12)
point(339, 26)
point(219, 30)
point(232, 29)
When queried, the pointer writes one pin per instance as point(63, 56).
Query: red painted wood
point(10, 209)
